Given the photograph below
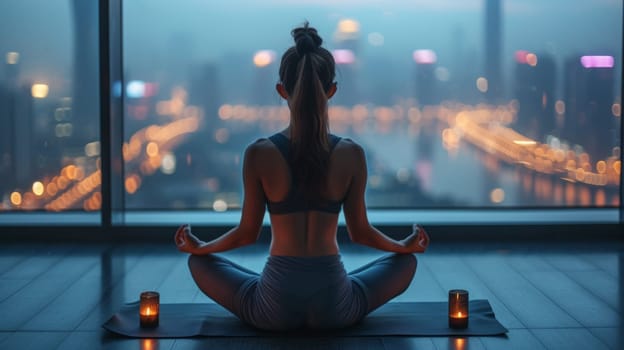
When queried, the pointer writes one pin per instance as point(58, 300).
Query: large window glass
point(470, 104)
point(49, 106)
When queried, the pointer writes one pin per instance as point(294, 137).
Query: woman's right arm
point(359, 229)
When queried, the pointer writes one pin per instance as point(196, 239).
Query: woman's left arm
point(250, 225)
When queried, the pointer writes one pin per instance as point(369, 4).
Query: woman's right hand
point(417, 241)
point(186, 241)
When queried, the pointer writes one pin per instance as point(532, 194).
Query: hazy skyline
point(194, 32)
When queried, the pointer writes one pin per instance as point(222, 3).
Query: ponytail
point(307, 72)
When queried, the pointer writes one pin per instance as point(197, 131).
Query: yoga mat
point(398, 319)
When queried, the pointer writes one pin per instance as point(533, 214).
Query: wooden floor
point(57, 296)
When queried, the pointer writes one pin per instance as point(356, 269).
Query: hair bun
point(306, 39)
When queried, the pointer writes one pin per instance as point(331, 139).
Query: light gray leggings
point(302, 292)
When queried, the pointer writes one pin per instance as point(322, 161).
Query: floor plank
point(599, 283)
point(519, 339)
point(42, 291)
point(178, 286)
point(33, 341)
point(10, 286)
point(4, 335)
point(36, 264)
point(71, 307)
point(528, 304)
point(568, 262)
point(612, 337)
point(582, 305)
point(569, 339)
point(607, 262)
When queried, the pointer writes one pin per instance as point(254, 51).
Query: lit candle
point(458, 308)
point(148, 309)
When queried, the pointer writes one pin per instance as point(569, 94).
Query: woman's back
point(304, 232)
point(303, 175)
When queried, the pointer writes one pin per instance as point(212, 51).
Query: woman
point(303, 175)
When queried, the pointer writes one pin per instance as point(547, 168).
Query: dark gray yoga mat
point(212, 320)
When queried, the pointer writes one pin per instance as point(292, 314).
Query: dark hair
point(307, 72)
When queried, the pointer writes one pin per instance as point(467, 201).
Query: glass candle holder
point(458, 308)
point(149, 308)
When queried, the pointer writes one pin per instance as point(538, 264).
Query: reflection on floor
point(57, 296)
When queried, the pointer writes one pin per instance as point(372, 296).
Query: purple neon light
point(597, 61)
point(425, 56)
point(343, 56)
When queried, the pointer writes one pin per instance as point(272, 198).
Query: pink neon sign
point(597, 61)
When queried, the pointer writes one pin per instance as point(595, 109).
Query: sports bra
point(295, 201)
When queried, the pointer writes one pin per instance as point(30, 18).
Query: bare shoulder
point(349, 148)
point(258, 148)
point(260, 154)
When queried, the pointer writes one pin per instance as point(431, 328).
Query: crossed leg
point(381, 280)
point(385, 278)
point(220, 279)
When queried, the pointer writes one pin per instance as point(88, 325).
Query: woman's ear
point(332, 90)
point(281, 90)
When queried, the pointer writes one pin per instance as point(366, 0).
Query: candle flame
point(148, 312)
point(147, 344)
point(458, 314)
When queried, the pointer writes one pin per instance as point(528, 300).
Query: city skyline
point(189, 27)
point(546, 109)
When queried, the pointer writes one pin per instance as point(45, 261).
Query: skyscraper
point(86, 100)
point(589, 96)
point(426, 86)
point(534, 89)
point(492, 53)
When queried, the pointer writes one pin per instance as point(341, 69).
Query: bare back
point(305, 233)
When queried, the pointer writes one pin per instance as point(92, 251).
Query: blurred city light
point(525, 142)
point(348, 29)
point(343, 56)
point(482, 84)
point(597, 61)
point(616, 109)
point(12, 57)
point(264, 58)
point(135, 89)
point(521, 56)
point(497, 195)
point(39, 90)
point(140, 89)
point(168, 165)
point(16, 198)
point(38, 188)
point(424, 56)
point(92, 149)
point(219, 205)
point(531, 59)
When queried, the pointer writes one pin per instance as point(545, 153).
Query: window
point(49, 106)
point(482, 104)
point(478, 104)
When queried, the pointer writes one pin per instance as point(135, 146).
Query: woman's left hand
point(186, 241)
